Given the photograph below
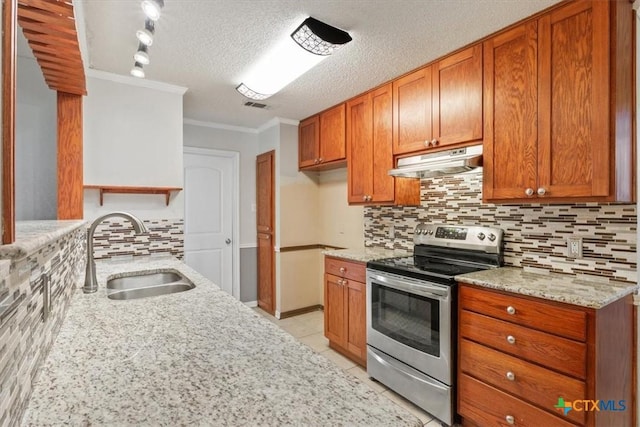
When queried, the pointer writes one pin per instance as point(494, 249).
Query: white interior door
point(210, 189)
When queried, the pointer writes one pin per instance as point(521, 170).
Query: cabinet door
point(308, 142)
point(332, 135)
point(511, 113)
point(359, 148)
point(412, 115)
point(457, 98)
point(574, 144)
point(355, 315)
point(383, 184)
point(335, 326)
point(265, 205)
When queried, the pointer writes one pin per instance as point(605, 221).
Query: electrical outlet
point(574, 247)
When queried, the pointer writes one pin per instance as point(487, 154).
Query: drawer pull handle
point(343, 269)
point(510, 419)
point(511, 376)
point(511, 339)
point(511, 310)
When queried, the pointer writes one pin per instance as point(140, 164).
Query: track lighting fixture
point(152, 8)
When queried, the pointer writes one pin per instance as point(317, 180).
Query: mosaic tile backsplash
point(25, 338)
point(115, 238)
point(535, 235)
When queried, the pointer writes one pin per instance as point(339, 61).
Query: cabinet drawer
point(346, 269)
point(554, 352)
point(488, 406)
point(522, 379)
point(566, 322)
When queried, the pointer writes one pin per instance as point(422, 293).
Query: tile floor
point(309, 329)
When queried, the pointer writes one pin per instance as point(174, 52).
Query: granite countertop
point(366, 254)
point(551, 286)
point(32, 235)
point(198, 357)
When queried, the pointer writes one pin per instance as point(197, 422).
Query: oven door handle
point(422, 379)
point(424, 289)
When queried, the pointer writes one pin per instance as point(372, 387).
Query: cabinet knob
point(320, 160)
point(529, 192)
point(510, 419)
point(511, 339)
point(343, 269)
point(434, 142)
point(345, 282)
point(427, 143)
point(541, 191)
point(511, 310)
point(364, 198)
point(339, 282)
point(511, 376)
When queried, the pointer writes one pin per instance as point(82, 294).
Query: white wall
point(36, 162)
point(133, 134)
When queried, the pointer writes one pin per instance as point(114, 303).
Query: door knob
point(228, 241)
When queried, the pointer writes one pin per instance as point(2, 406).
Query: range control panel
point(487, 239)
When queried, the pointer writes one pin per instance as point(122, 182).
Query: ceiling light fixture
point(137, 70)
point(142, 55)
point(320, 38)
point(152, 8)
point(286, 61)
point(145, 36)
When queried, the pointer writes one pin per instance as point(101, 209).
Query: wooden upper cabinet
point(332, 135)
point(369, 152)
point(558, 107)
point(412, 115)
point(322, 140)
point(457, 98)
point(359, 148)
point(511, 113)
point(573, 156)
point(308, 142)
point(439, 105)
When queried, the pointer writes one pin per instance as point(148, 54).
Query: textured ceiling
point(207, 45)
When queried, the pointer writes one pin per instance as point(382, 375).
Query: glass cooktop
point(423, 268)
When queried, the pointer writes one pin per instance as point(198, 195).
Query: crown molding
point(277, 121)
point(273, 122)
point(134, 81)
point(222, 126)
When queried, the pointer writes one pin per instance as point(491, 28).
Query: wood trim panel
point(9, 52)
point(70, 162)
point(49, 27)
point(299, 311)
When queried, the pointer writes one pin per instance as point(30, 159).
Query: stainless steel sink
point(142, 285)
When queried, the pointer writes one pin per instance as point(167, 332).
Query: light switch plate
point(574, 247)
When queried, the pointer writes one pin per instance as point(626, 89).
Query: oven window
point(413, 320)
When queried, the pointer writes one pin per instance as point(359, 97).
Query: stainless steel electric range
point(411, 312)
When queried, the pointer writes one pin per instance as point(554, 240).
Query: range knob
point(430, 232)
point(481, 235)
point(492, 237)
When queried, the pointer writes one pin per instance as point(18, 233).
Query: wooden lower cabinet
point(345, 308)
point(518, 356)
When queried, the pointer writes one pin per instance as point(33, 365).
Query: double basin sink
point(141, 285)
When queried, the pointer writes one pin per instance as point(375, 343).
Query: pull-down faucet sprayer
point(90, 281)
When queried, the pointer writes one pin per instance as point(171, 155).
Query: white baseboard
point(251, 304)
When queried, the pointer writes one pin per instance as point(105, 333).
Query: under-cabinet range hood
point(447, 162)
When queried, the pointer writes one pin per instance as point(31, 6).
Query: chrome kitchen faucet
point(90, 281)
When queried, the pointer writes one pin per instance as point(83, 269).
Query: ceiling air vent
point(255, 105)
